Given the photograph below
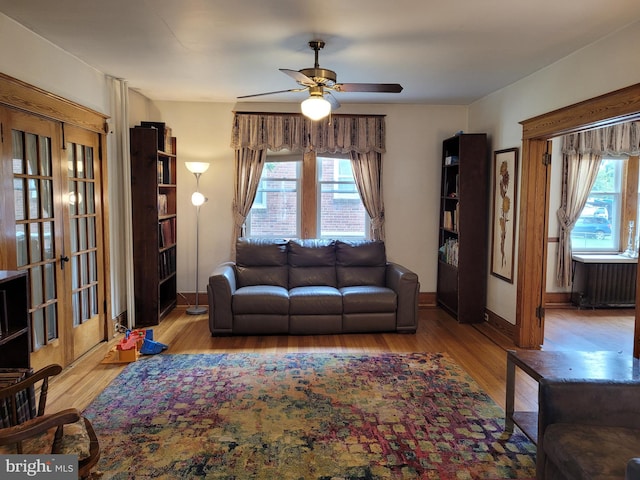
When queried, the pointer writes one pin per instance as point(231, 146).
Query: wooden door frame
point(609, 109)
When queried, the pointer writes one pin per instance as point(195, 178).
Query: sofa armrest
point(220, 290)
point(405, 283)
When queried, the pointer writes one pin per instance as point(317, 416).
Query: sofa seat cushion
point(368, 299)
point(316, 300)
point(591, 451)
point(261, 299)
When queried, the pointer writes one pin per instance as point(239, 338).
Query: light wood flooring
point(482, 357)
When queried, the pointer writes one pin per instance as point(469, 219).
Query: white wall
point(411, 175)
point(30, 58)
point(607, 65)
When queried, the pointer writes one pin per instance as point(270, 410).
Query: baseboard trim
point(426, 300)
point(501, 325)
point(558, 300)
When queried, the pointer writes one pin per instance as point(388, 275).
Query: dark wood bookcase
point(15, 323)
point(463, 232)
point(153, 196)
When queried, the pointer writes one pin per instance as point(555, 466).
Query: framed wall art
point(505, 180)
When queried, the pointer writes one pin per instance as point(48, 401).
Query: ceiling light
point(315, 107)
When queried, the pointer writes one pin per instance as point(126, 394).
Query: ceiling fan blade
point(273, 93)
point(332, 100)
point(368, 87)
point(301, 78)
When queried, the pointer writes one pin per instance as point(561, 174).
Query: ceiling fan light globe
point(315, 108)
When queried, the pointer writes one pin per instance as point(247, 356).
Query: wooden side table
point(570, 364)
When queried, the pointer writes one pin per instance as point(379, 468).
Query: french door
point(57, 223)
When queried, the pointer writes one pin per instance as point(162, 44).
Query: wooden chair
point(28, 430)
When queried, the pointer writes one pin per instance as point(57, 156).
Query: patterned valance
point(335, 134)
point(621, 139)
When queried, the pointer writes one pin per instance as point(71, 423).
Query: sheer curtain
point(360, 136)
point(582, 153)
point(120, 221)
point(579, 174)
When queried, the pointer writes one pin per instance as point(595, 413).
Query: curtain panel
point(337, 134)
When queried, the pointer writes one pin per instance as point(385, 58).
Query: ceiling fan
point(321, 82)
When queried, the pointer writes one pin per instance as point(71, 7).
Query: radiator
point(605, 285)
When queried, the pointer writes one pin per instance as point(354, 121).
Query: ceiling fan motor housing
point(321, 76)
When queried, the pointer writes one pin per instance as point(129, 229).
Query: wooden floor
point(482, 357)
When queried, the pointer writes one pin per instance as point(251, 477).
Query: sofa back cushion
point(312, 262)
point(261, 262)
point(361, 263)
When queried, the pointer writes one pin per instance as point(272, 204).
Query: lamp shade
point(315, 107)
point(197, 199)
point(197, 167)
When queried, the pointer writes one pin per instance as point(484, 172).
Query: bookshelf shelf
point(154, 195)
point(463, 230)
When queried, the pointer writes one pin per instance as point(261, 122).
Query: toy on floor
point(134, 344)
point(149, 346)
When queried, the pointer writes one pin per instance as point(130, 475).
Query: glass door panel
point(84, 232)
point(39, 231)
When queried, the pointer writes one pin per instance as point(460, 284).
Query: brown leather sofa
point(311, 287)
point(588, 429)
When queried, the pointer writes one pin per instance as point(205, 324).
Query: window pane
point(598, 227)
point(275, 209)
point(341, 212)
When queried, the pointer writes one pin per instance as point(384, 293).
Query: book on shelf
point(449, 252)
point(167, 263)
point(456, 216)
point(160, 171)
point(162, 204)
point(167, 236)
point(447, 221)
point(450, 220)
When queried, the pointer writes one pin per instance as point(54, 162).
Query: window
point(275, 209)
point(341, 213)
point(599, 225)
point(326, 206)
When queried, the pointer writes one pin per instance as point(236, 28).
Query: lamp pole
point(197, 310)
point(197, 199)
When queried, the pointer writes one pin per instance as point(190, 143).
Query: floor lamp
point(197, 199)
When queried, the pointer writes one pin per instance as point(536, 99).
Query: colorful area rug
point(303, 416)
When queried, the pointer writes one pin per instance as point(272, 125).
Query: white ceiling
point(441, 51)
